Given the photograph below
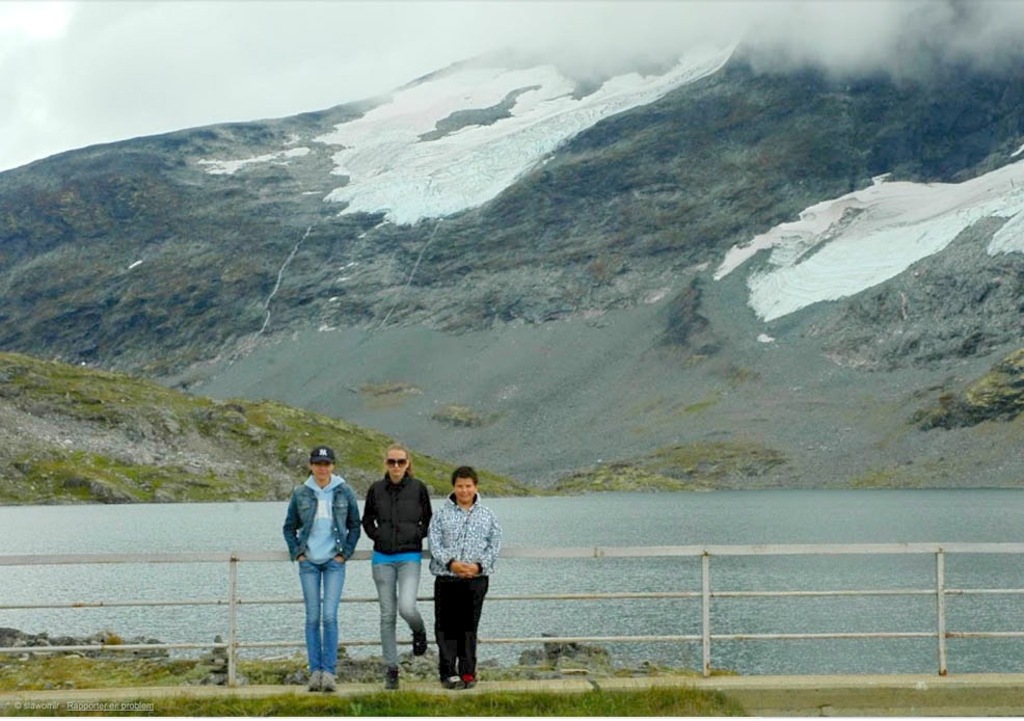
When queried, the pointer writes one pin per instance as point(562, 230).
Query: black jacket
point(397, 515)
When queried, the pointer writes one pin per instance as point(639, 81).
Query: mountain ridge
point(575, 315)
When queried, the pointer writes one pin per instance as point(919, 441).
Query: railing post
point(232, 618)
point(940, 607)
point(705, 612)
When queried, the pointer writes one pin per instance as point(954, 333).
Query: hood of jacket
point(315, 487)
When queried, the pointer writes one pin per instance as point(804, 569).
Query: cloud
point(897, 37)
point(77, 73)
point(121, 69)
point(39, 20)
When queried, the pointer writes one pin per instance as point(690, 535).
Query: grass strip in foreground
point(648, 702)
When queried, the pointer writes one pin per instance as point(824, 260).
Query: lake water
point(729, 517)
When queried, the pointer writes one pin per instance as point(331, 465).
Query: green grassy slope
point(71, 434)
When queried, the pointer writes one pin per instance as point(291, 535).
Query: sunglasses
point(397, 461)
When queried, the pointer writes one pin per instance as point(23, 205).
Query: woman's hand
point(465, 569)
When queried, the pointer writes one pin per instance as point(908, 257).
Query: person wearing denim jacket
point(321, 529)
point(465, 539)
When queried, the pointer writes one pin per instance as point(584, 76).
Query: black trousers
point(457, 606)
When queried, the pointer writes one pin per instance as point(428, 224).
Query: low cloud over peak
point(77, 73)
point(901, 39)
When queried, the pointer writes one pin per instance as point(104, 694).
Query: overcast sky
point(77, 73)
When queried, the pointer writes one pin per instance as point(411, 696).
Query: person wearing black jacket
point(397, 517)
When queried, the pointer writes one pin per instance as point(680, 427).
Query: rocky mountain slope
point(576, 319)
point(73, 435)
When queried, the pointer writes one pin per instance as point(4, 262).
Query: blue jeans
point(322, 649)
point(397, 586)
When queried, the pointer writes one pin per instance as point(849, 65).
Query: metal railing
point(706, 594)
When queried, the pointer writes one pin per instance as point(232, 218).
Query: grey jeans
point(397, 587)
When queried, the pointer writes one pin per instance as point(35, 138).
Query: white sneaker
point(327, 682)
point(315, 681)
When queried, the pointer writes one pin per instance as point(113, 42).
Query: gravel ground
point(570, 394)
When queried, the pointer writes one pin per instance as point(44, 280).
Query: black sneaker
point(419, 643)
point(452, 682)
point(391, 679)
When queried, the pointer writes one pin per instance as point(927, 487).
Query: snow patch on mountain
point(843, 246)
point(230, 167)
point(392, 169)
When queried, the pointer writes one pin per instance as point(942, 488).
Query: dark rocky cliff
point(663, 188)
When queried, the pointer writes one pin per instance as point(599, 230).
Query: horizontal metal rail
point(705, 594)
point(794, 549)
point(110, 647)
point(116, 604)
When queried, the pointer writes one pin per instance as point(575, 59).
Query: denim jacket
point(302, 510)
